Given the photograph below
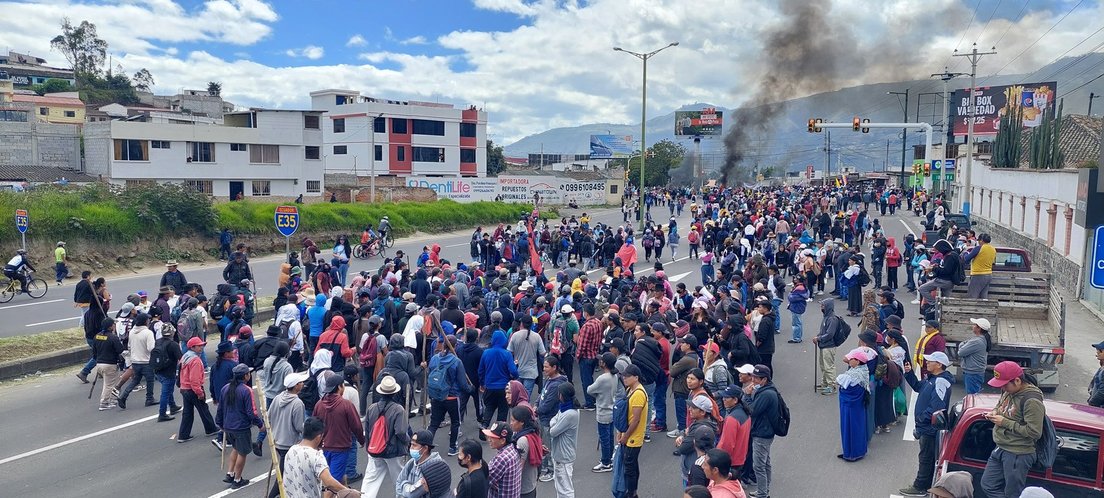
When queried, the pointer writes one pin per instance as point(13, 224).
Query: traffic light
point(855, 122)
point(865, 129)
point(814, 125)
point(927, 169)
point(916, 169)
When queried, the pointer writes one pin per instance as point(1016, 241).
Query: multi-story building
point(55, 108)
point(255, 153)
point(365, 136)
point(29, 142)
point(26, 71)
point(197, 102)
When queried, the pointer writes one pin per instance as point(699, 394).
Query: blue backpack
point(621, 412)
point(438, 384)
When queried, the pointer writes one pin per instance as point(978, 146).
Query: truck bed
point(1029, 332)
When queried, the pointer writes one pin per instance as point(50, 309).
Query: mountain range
point(788, 144)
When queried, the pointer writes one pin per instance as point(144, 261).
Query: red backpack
point(380, 435)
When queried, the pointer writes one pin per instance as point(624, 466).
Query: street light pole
point(643, 115)
point(904, 133)
point(372, 198)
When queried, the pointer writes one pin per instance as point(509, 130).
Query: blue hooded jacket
point(496, 367)
point(457, 380)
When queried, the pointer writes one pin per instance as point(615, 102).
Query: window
point(139, 183)
point(239, 147)
point(43, 111)
point(13, 116)
point(398, 126)
point(427, 154)
point(70, 114)
point(201, 186)
point(131, 150)
point(264, 154)
point(467, 155)
point(467, 130)
point(313, 152)
point(202, 152)
point(1076, 455)
point(160, 144)
point(262, 188)
point(339, 125)
point(978, 443)
point(379, 152)
point(400, 153)
point(613, 188)
point(427, 127)
point(311, 122)
point(380, 125)
point(341, 150)
point(314, 186)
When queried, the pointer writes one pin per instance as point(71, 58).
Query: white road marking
point(907, 227)
point(910, 423)
point(680, 276)
point(52, 321)
point(30, 304)
point(252, 481)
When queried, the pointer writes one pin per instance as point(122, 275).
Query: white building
point(405, 138)
point(255, 153)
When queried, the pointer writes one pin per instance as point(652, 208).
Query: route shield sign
point(287, 220)
point(1097, 275)
point(21, 220)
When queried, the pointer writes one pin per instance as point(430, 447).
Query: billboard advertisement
point(610, 146)
point(706, 122)
point(552, 190)
point(993, 102)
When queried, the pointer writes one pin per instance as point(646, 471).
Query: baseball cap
point(411, 308)
point(567, 309)
point(981, 322)
point(127, 308)
point(294, 378)
point(732, 391)
point(240, 370)
point(1099, 346)
point(498, 431)
point(422, 437)
point(703, 403)
point(938, 356)
point(762, 371)
point(746, 369)
point(692, 341)
point(195, 341)
point(630, 370)
point(330, 381)
point(1004, 373)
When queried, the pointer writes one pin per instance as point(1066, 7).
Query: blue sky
point(540, 64)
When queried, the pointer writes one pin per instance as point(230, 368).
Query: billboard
point(610, 146)
point(698, 123)
point(993, 102)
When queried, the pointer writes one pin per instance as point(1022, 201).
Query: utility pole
point(373, 132)
point(885, 165)
point(973, 56)
point(948, 127)
point(1091, 97)
point(904, 133)
point(827, 155)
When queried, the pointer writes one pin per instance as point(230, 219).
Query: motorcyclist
point(17, 268)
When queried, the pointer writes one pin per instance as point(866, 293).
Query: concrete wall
point(1033, 209)
point(33, 143)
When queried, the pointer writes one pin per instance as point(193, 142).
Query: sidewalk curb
point(79, 354)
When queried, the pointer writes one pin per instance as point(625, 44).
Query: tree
point(214, 88)
point(53, 85)
point(496, 161)
point(143, 80)
point(82, 48)
point(662, 158)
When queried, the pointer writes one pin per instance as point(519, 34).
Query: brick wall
point(1066, 273)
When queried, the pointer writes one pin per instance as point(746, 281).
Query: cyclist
point(17, 267)
point(367, 237)
point(384, 227)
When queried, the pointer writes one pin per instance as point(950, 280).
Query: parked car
point(966, 440)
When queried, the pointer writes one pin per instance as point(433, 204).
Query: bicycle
point(386, 240)
point(365, 251)
point(36, 287)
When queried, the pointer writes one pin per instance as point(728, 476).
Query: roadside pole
point(22, 221)
point(974, 56)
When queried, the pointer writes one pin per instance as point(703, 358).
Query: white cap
point(567, 309)
point(746, 369)
point(294, 378)
point(982, 322)
point(940, 357)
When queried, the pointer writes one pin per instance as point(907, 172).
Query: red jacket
point(341, 421)
point(735, 435)
point(191, 375)
point(336, 335)
point(728, 489)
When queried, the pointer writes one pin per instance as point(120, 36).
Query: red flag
point(534, 258)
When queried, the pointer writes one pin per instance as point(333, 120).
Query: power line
point(1010, 24)
point(1070, 64)
point(991, 15)
point(1024, 51)
point(967, 30)
point(1078, 87)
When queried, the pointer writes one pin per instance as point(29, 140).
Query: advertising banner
point(552, 190)
point(991, 103)
point(706, 122)
point(610, 146)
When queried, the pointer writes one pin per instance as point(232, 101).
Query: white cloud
point(557, 68)
point(312, 52)
point(415, 40)
point(356, 41)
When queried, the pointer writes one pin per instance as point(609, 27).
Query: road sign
point(1097, 275)
point(287, 220)
point(21, 220)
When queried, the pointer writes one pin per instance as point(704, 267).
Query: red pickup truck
point(967, 440)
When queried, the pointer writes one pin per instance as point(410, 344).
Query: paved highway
point(55, 443)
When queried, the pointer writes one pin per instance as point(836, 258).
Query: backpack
point(219, 305)
point(174, 314)
point(621, 412)
point(264, 348)
point(864, 277)
point(892, 377)
point(1046, 447)
point(960, 271)
point(781, 425)
point(379, 438)
point(816, 268)
point(692, 237)
point(309, 394)
point(649, 241)
point(438, 383)
point(159, 357)
point(843, 331)
point(368, 353)
point(337, 364)
point(900, 310)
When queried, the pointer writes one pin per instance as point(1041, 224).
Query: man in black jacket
point(237, 269)
point(944, 275)
point(166, 375)
point(826, 342)
point(645, 355)
point(108, 350)
point(764, 335)
point(173, 278)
